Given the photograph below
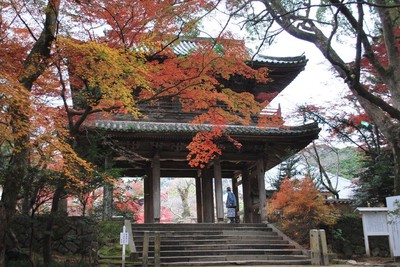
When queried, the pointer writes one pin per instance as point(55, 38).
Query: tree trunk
point(3, 227)
point(385, 115)
point(9, 197)
point(47, 240)
point(107, 201)
point(184, 195)
point(395, 143)
point(34, 65)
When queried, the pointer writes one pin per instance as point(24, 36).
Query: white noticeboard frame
point(383, 222)
point(374, 224)
point(393, 203)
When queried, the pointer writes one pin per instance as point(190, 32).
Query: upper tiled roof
point(185, 47)
point(281, 60)
point(188, 128)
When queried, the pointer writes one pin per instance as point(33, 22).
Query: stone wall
point(71, 235)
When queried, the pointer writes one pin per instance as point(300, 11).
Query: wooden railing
point(172, 111)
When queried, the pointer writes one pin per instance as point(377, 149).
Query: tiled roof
point(188, 128)
point(338, 201)
point(185, 47)
point(281, 60)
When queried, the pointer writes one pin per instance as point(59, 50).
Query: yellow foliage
point(107, 77)
point(14, 106)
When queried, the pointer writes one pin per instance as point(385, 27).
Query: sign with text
point(124, 238)
point(374, 224)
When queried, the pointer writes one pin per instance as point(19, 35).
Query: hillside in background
point(345, 162)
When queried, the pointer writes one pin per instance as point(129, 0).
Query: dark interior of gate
point(158, 148)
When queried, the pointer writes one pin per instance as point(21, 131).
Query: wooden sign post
point(123, 240)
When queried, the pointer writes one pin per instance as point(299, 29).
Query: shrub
point(301, 207)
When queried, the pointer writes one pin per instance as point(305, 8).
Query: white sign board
point(124, 238)
point(374, 224)
point(393, 204)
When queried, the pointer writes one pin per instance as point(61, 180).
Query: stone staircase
point(220, 245)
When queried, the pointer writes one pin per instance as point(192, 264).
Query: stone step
point(225, 251)
point(239, 263)
point(214, 260)
point(199, 225)
point(200, 236)
point(210, 261)
point(219, 244)
point(211, 228)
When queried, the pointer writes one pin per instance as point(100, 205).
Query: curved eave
point(282, 70)
point(158, 130)
point(270, 61)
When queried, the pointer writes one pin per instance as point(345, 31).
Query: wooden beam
point(148, 196)
point(156, 187)
point(207, 196)
point(261, 189)
point(218, 190)
point(246, 180)
point(199, 206)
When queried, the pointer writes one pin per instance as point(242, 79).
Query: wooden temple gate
point(162, 150)
point(156, 147)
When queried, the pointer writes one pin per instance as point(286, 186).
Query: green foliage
point(350, 163)
point(394, 215)
point(347, 162)
point(376, 180)
point(287, 169)
point(109, 232)
point(346, 235)
point(92, 150)
point(40, 264)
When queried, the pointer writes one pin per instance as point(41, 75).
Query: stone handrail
point(133, 255)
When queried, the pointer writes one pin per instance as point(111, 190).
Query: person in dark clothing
point(231, 204)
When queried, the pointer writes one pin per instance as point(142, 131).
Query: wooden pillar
point(207, 196)
point(199, 205)
point(148, 195)
point(156, 187)
point(261, 189)
point(318, 247)
point(218, 190)
point(247, 203)
point(235, 191)
point(107, 195)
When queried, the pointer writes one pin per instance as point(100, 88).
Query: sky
point(318, 84)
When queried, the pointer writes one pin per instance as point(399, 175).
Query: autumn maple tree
point(64, 63)
point(354, 125)
point(372, 168)
point(369, 27)
point(302, 208)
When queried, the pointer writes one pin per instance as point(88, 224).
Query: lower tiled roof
point(189, 128)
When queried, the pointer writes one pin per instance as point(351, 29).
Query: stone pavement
point(370, 262)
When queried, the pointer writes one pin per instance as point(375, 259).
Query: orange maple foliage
point(302, 208)
point(108, 56)
point(271, 120)
point(14, 102)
